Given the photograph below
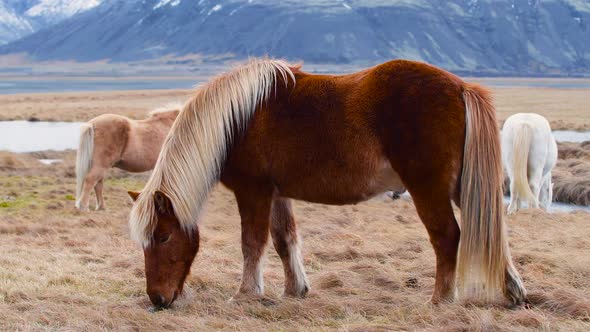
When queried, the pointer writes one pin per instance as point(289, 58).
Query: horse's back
point(345, 132)
point(539, 126)
point(536, 121)
point(145, 142)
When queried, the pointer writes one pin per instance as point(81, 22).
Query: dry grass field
point(370, 265)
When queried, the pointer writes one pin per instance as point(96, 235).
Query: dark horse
point(271, 132)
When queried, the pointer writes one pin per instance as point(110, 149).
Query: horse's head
point(169, 255)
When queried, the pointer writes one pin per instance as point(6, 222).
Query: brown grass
point(83, 106)
point(569, 150)
point(371, 267)
point(571, 180)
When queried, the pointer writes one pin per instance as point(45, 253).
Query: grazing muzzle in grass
point(169, 255)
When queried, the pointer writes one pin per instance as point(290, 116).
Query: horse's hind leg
point(94, 175)
point(99, 197)
point(286, 242)
point(514, 200)
point(254, 206)
point(535, 178)
point(436, 212)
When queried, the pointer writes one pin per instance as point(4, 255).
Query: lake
point(26, 136)
point(571, 136)
point(12, 85)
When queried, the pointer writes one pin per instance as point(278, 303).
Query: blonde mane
point(191, 158)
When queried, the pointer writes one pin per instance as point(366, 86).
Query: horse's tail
point(484, 266)
point(84, 157)
point(521, 145)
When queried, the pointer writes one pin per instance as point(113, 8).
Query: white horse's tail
point(84, 158)
point(521, 145)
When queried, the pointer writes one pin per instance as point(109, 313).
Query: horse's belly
point(343, 187)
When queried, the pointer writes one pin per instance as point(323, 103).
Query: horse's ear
point(163, 203)
point(133, 195)
point(296, 67)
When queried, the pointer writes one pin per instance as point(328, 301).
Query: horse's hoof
point(297, 293)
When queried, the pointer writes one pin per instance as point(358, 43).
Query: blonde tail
point(84, 158)
point(484, 267)
point(520, 156)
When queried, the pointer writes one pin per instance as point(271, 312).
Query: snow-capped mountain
point(19, 18)
point(491, 36)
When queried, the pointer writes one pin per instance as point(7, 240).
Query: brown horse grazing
point(111, 140)
point(271, 132)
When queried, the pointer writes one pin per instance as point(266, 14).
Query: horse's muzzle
point(160, 302)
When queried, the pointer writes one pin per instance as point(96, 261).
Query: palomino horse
point(271, 132)
point(529, 153)
point(111, 140)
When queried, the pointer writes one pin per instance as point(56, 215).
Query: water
point(563, 207)
point(50, 161)
point(558, 207)
point(12, 86)
point(48, 85)
point(25, 136)
point(571, 136)
point(540, 83)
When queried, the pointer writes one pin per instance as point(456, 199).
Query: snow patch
point(214, 9)
point(61, 8)
point(162, 3)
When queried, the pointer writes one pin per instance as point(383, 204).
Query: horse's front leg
point(255, 206)
point(286, 242)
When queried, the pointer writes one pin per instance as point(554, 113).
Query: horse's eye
point(164, 238)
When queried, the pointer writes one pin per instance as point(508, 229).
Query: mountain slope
point(19, 18)
point(519, 36)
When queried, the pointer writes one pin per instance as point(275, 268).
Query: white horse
point(529, 153)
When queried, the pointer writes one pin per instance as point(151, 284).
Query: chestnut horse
point(271, 133)
point(111, 140)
